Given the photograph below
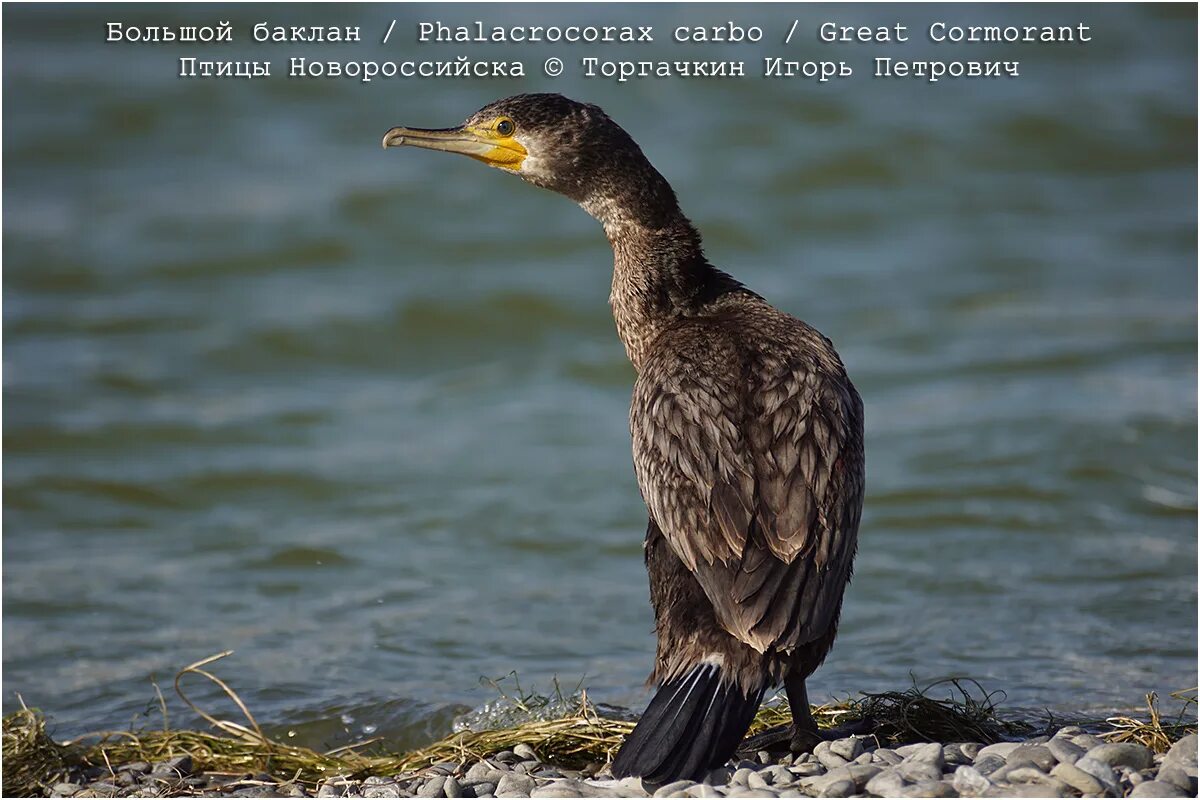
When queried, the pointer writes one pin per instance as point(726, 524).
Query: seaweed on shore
point(968, 714)
point(33, 761)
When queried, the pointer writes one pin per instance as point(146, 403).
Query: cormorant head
point(559, 144)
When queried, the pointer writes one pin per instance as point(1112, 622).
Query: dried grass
point(33, 761)
point(1154, 732)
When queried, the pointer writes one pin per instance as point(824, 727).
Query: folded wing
point(754, 476)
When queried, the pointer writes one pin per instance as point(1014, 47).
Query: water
point(360, 416)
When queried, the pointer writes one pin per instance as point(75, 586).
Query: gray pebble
point(632, 787)
point(741, 777)
point(1065, 750)
point(860, 774)
point(930, 789)
point(955, 755)
point(430, 788)
point(806, 770)
point(1026, 774)
point(779, 775)
point(1174, 774)
point(930, 753)
point(515, 785)
point(589, 790)
point(1069, 730)
point(759, 780)
point(1056, 788)
point(452, 788)
point(746, 791)
point(377, 787)
point(1087, 741)
point(1023, 790)
point(1034, 755)
point(849, 748)
point(988, 764)
point(1075, 777)
point(485, 789)
point(919, 771)
point(999, 775)
point(888, 783)
point(764, 757)
point(969, 783)
point(103, 789)
point(674, 789)
point(140, 767)
point(886, 756)
point(65, 789)
point(827, 757)
point(526, 752)
point(703, 790)
point(1157, 789)
point(999, 749)
point(1131, 755)
point(482, 771)
point(1183, 754)
point(556, 789)
point(843, 788)
point(1100, 771)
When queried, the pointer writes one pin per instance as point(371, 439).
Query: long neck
point(660, 273)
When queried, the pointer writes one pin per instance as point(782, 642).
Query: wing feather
point(752, 468)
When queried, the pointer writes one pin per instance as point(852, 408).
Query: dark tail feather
point(692, 725)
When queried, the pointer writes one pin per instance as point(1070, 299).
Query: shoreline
point(957, 748)
point(1069, 763)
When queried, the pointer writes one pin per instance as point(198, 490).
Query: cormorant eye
point(505, 127)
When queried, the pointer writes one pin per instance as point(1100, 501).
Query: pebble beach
point(1069, 763)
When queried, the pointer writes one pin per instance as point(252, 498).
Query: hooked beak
point(485, 146)
point(451, 140)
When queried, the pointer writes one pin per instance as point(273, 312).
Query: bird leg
point(799, 737)
point(802, 736)
point(805, 735)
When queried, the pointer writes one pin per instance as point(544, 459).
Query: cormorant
point(747, 442)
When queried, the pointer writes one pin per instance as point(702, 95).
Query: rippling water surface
point(361, 416)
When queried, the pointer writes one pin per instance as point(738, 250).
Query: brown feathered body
point(748, 448)
point(747, 444)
